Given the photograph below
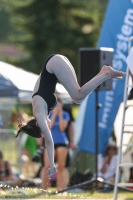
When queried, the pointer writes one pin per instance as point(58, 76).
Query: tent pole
point(97, 105)
point(19, 140)
point(96, 132)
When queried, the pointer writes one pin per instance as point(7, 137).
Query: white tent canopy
point(25, 82)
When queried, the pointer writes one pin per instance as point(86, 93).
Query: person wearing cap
point(107, 164)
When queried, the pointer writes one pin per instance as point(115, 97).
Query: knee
point(61, 168)
point(46, 167)
point(77, 99)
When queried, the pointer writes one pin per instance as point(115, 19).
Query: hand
point(60, 110)
point(40, 141)
point(51, 171)
point(72, 146)
point(56, 110)
point(106, 159)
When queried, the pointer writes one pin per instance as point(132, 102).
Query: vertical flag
point(115, 33)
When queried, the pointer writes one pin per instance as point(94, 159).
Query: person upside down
point(58, 68)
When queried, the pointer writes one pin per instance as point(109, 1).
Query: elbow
point(48, 142)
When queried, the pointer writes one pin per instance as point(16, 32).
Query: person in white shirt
point(107, 164)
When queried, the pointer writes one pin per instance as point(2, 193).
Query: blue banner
point(115, 33)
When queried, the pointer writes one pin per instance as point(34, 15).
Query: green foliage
point(54, 26)
point(5, 26)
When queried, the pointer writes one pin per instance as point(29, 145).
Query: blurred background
point(32, 30)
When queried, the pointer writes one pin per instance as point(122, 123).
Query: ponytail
point(30, 128)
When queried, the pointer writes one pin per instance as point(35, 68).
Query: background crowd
point(30, 32)
point(33, 151)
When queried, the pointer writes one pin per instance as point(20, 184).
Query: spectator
point(70, 131)
point(70, 128)
point(107, 164)
point(5, 170)
point(39, 156)
point(59, 122)
point(29, 145)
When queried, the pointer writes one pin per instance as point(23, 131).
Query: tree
point(61, 26)
point(4, 23)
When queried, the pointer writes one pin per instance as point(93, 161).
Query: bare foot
point(112, 73)
point(51, 171)
point(102, 70)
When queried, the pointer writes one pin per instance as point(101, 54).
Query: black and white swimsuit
point(47, 86)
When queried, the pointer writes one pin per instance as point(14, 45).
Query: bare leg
point(64, 72)
point(66, 175)
point(44, 177)
point(61, 153)
point(26, 162)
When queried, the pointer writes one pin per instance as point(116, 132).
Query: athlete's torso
point(47, 86)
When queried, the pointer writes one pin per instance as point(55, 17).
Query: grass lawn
point(11, 153)
point(27, 193)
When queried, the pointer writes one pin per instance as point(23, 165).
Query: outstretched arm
point(40, 112)
point(42, 122)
